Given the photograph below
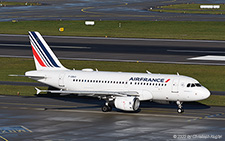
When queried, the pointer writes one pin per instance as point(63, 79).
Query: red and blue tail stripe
point(40, 51)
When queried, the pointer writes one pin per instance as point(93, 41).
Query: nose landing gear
point(180, 109)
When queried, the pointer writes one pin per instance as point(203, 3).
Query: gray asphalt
point(118, 49)
point(80, 118)
point(104, 10)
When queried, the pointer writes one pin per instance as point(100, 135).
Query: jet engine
point(127, 103)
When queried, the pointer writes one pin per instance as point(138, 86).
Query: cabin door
point(61, 80)
point(175, 86)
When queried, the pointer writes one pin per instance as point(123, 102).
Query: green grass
point(189, 8)
point(22, 90)
point(129, 29)
point(209, 76)
point(4, 3)
point(214, 100)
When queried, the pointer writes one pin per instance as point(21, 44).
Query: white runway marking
point(196, 51)
point(124, 60)
point(209, 57)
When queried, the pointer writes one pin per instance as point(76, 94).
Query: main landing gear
point(180, 109)
point(108, 104)
point(107, 107)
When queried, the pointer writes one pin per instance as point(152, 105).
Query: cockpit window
point(194, 85)
point(198, 85)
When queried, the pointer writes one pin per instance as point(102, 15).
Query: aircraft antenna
point(148, 72)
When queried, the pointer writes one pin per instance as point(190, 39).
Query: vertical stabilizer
point(44, 58)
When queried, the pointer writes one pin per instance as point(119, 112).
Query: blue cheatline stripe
point(41, 54)
point(44, 49)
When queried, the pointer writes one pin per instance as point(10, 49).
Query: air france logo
point(148, 79)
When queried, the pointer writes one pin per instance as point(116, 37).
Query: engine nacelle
point(127, 103)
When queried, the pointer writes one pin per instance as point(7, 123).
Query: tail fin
point(44, 58)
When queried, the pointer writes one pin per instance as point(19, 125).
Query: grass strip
point(19, 90)
point(129, 29)
point(214, 100)
point(209, 76)
point(5, 3)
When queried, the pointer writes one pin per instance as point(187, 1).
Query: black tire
point(105, 108)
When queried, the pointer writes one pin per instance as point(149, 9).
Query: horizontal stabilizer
point(33, 77)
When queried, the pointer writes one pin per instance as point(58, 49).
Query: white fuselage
point(161, 87)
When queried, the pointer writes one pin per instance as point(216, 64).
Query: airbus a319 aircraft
point(122, 89)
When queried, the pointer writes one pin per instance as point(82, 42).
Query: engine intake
point(127, 103)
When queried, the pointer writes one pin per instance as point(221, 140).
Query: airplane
point(123, 90)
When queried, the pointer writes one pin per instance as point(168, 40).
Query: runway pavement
point(104, 10)
point(80, 118)
point(121, 49)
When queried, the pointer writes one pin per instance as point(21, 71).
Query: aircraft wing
point(92, 93)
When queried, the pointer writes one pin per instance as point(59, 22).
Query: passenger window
point(188, 85)
point(192, 85)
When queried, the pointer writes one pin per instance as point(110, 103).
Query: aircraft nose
point(205, 93)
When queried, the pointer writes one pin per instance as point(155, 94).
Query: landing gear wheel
point(106, 108)
point(180, 110)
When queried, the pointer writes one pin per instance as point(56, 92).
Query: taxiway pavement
point(104, 10)
point(80, 118)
